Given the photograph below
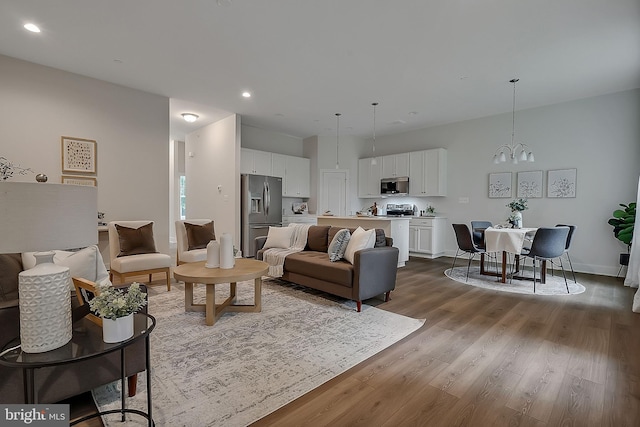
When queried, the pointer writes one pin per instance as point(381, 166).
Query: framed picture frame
point(85, 292)
point(500, 185)
point(80, 180)
point(79, 155)
point(561, 183)
point(529, 185)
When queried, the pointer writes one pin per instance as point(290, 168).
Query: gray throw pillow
point(338, 245)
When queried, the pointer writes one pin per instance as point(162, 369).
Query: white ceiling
point(426, 62)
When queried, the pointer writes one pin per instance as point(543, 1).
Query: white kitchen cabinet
point(278, 165)
point(427, 236)
point(395, 165)
point(428, 173)
point(255, 162)
point(297, 178)
point(299, 219)
point(369, 178)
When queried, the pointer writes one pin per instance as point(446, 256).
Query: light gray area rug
point(554, 284)
point(247, 365)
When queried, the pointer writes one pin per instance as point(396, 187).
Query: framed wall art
point(500, 185)
point(79, 155)
point(561, 183)
point(529, 184)
point(80, 180)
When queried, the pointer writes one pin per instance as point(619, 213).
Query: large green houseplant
point(623, 223)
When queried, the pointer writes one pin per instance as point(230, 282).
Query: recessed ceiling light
point(413, 113)
point(32, 27)
point(279, 115)
point(246, 94)
point(398, 122)
point(189, 117)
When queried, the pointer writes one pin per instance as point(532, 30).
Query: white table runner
point(506, 239)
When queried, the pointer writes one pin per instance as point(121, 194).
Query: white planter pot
point(117, 330)
point(518, 217)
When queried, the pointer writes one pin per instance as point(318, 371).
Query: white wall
point(599, 136)
point(274, 142)
point(212, 166)
point(131, 127)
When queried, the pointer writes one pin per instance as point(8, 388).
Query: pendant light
point(338, 140)
point(516, 151)
point(374, 161)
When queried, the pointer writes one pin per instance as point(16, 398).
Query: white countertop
point(368, 218)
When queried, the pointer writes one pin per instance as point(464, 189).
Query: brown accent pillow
point(136, 241)
point(10, 267)
point(317, 239)
point(199, 236)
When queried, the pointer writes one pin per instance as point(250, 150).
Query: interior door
point(334, 192)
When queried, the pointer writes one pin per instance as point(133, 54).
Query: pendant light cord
point(374, 129)
point(513, 114)
point(338, 140)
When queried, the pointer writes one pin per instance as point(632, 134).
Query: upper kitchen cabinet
point(428, 173)
point(395, 165)
point(369, 178)
point(296, 181)
point(255, 162)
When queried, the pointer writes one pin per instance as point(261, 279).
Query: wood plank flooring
point(487, 358)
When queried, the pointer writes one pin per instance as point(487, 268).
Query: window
point(183, 204)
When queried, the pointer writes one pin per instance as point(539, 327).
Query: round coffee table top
point(244, 269)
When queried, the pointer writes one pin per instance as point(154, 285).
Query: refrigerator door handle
point(268, 205)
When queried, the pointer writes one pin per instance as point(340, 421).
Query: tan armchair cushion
point(136, 241)
point(199, 236)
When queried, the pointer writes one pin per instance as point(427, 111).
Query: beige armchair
point(133, 252)
point(191, 241)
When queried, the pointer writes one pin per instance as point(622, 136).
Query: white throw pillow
point(279, 237)
point(86, 263)
point(360, 239)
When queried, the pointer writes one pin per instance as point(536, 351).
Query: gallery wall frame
point(561, 183)
point(500, 185)
point(529, 184)
point(79, 155)
point(80, 180)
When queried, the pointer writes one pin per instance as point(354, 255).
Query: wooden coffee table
point(196, 272)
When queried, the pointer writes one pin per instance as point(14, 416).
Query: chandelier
point(516, 151)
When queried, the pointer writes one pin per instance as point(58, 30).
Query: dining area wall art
point(561, 184)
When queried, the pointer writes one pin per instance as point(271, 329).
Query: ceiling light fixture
point(517, 151)
point(338, 140)
point(373, 144)
point(246, 94)
point(32, 27)
point(189, 117)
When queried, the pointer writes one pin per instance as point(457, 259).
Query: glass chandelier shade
point(517, 151)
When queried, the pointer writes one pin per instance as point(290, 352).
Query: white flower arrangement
point(112, 303)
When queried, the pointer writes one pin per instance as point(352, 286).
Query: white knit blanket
point(275, 256)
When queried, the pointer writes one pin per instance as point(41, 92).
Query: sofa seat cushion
point(140, 262)
point(317, 265)
point(194, 255)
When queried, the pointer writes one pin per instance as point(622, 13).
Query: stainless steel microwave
point(398, 185)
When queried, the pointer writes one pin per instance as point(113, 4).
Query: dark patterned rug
point(248, 365)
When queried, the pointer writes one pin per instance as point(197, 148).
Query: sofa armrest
point(258, 244)
point(375, 271)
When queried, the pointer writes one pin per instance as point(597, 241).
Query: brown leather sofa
point(373, 271)
point(59, 382)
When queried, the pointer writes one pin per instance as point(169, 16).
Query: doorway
point(333, 191)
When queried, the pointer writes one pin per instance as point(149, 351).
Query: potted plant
point(430, 211)
point(116, 308)
point(623, 223)
point(517, 206)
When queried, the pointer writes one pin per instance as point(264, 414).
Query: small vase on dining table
point(518, 219)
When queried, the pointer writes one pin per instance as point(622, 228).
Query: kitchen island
point(396, 227)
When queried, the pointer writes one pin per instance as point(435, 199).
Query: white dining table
point(507, 240)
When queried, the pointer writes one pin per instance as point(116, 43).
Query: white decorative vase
point(518, 219)
point(213, 255)
point(45, 305)
point(117, 330)
point(226, 251)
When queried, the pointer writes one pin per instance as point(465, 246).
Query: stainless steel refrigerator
point(261, 207)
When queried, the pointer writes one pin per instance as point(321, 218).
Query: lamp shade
point(42, 216)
